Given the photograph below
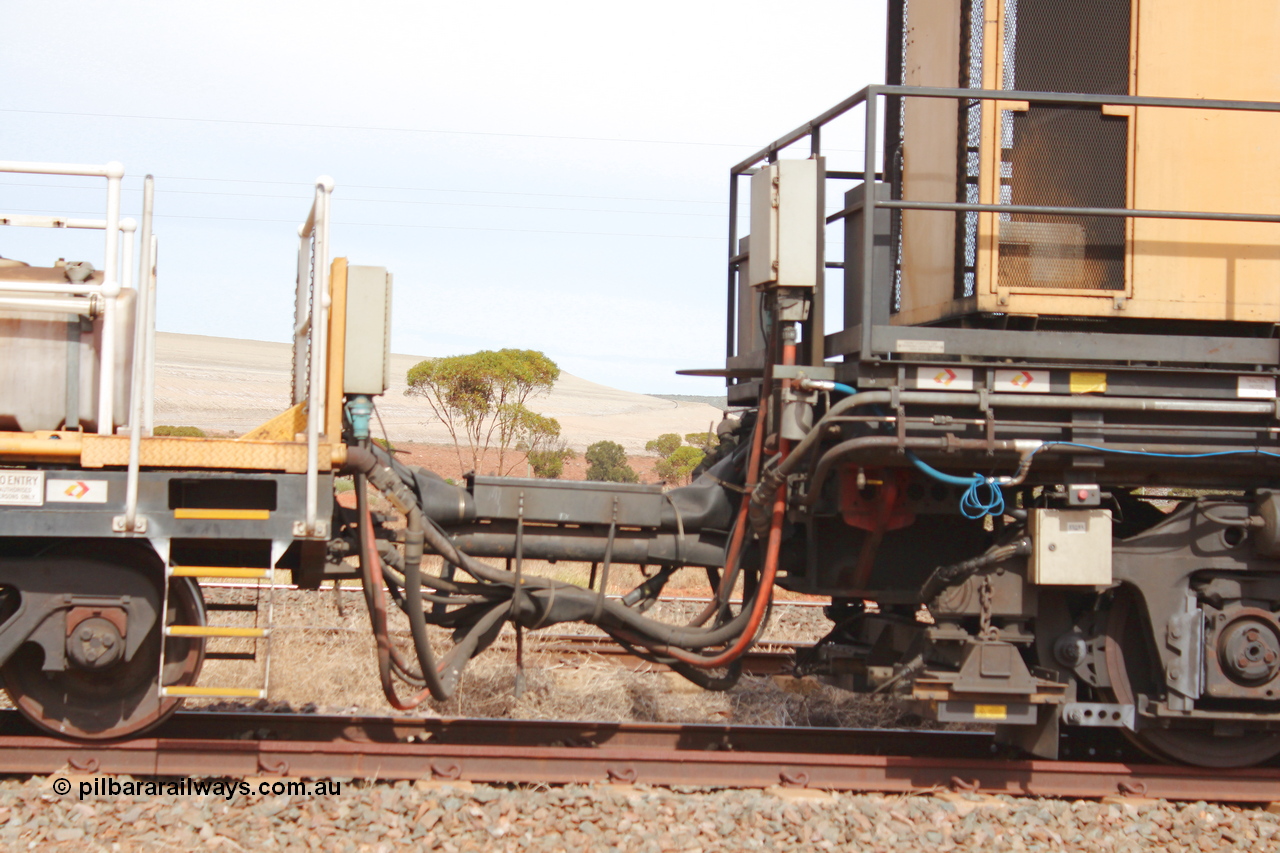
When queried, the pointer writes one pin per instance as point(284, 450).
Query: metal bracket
point(120, 524)
point(804, 371)
point(1184, 634)
point(1100, 714)
point(321, 531)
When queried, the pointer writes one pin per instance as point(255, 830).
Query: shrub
point(704, 441)
point(678, 467)
point(179, 431)
point(664, 445)
point(607, 461)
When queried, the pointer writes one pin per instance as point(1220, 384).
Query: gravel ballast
point(457, 817)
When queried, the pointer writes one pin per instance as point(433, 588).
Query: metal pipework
point(143, 327)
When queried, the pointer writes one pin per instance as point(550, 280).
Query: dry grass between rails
point(325, 662)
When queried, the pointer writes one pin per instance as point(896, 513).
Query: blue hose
point(975, 502)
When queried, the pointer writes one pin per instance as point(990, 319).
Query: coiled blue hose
point(982, 496)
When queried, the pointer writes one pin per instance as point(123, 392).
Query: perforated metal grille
point(1064, 156)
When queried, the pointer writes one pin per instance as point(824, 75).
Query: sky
point(549, 176)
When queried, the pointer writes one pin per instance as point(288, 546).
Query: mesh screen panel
point(1063, 155)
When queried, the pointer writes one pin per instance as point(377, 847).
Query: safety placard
point(21, 488)
point(944, 378)
point(1260, 386)
point(1022, 381)
point(76, 491)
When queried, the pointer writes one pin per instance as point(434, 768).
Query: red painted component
point(883, 507)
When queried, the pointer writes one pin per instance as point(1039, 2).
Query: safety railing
point(869, 338)
point(104, 297)
point(310, 335)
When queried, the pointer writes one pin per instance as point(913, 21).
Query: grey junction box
point(1071, 547)
point(367, 365)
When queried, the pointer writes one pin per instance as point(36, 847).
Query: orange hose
point(764, 594)
point(372, 571)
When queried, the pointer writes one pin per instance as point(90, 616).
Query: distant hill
point(719, 402)
point(226, 385)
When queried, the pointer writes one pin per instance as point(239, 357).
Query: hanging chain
point(985, 595)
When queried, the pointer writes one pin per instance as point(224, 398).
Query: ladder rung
point(230, 656)
point(216, 572)
point(223, 692)
point(208, 631)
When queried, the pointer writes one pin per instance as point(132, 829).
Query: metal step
point(212, 631)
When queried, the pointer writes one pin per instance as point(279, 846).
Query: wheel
point(1133, 667)
point(117, 700)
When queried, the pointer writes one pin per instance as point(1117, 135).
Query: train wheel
point(116, 701)
point(1133, 667)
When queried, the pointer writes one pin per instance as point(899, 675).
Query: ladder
point(210, 632)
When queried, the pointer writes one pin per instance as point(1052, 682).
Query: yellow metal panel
point(156, 452)
point(206, 631)
point(39, 446)
point(337, 348)
point(283, 427)
point(223, 514)
point(215, 572)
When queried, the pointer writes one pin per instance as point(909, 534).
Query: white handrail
point(111, 285)
point(137, 403)
point(52, 304)
point(314, 232)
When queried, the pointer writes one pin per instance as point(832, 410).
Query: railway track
point(552, 752)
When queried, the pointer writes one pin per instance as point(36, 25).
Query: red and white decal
point(76, 491)
point(1022, 381)
point(944, 378)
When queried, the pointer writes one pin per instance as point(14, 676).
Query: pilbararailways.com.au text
point(228, 789)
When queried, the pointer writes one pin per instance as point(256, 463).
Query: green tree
point(543, 447)
point(480, 398)
point(664, 445)
point(678, 467)
point(607, 461)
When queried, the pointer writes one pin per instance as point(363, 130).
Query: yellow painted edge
point(215, 572)
point(332, 427)
point(206, 631)
point(223, 514)
point(238, 692)
point(283, 427)
point(990, 712)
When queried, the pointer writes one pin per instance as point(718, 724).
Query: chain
point(985, 595)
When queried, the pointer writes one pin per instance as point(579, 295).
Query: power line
point(313, 126)
point(406, 201)
point(395, 225)
point(370, 187)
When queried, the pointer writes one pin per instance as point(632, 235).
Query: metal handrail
point(869, 96)
point(144, 329)
point(111, 286)
point(312, 287)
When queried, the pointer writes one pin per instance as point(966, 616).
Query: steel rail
point(525, 751)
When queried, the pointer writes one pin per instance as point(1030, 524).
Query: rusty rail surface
point(526, 751)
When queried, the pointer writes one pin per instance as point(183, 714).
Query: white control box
point(1071, 547)
point(367, 361)
point(787, 224)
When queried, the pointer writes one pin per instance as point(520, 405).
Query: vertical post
point(319, 322)
point(146, 278)
point(868, 223)
point(731, 297)
point(127, 229)
point(110, 291)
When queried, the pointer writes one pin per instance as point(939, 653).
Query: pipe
point(52, 304)
point(151, 254)
point(110, 292)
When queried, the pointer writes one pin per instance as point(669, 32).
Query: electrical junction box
point(367, 363)
point(787, 223)
point(1071, 547)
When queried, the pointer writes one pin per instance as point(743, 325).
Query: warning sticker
point(944, 378)
point(76, 491)
point(21, 488)
point(1256, 386)
point(990, 712)
point(1088, 383)
point(1022, 381)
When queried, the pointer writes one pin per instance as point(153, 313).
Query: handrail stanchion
point(110, 314)
point(147, 279)
point(317, 225)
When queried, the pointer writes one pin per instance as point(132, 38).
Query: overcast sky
point(546, 175)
